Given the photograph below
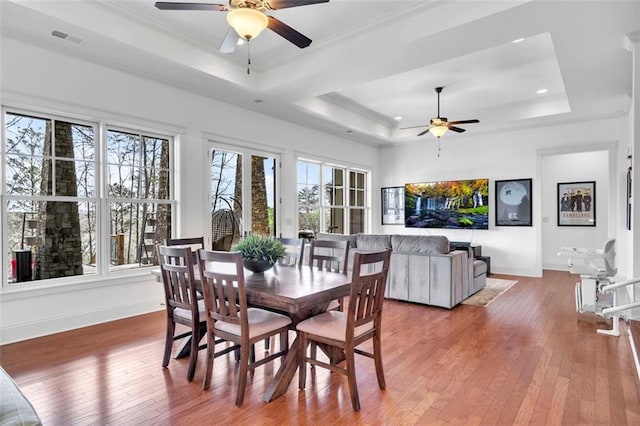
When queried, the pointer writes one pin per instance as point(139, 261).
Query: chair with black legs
point(181, 301)
point(347, 330)
point(229, 317)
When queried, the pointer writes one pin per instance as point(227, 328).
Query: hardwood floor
point(528, 358)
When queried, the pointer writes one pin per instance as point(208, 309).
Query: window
point(68, 213)
point(343, 207)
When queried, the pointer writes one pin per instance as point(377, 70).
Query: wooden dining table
point(299, 292)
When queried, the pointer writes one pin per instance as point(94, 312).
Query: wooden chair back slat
point(294, 251)
point(177, 274)
point(330, 255)
point(367, 290)
point(195, 243)
point(224, 287)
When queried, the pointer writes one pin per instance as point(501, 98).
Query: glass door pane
point(226, 199)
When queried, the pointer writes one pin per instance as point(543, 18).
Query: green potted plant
point(260, 253)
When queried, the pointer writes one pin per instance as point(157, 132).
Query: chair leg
point(284, 341)
point(377, 356)
point(244, 369)
point(168, 343)
point(313, 352)
point(193, 355)
point(351, 378)
point(210, 356)
point(302, 370)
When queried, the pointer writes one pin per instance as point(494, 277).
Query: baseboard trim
point(60, 324)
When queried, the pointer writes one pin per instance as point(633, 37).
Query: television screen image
point(458, 204)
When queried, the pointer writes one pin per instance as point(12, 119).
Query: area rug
point(493, 289)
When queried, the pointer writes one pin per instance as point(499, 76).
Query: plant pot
point(257, 266)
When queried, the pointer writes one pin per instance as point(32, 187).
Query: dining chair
point(195, 243)
point(229, 317)
point(294, 251)
point(333, 256)
point(347, 330)
point(181, 301)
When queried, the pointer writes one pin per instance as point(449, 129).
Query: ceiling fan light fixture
point(248, 23)
point(438, 131)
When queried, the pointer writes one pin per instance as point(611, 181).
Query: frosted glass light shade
point(438, 131)
point(248, 23)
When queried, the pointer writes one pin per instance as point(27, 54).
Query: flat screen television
point(457, 204)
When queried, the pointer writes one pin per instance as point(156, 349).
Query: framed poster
point(513, 202)
point(393, 205)
point(577, 203)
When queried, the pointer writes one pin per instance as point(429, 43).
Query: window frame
point(325, 207)
point(100, 197)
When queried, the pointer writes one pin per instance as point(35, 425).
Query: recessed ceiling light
point(397, 118)
point(518, 40)
point(541, 91)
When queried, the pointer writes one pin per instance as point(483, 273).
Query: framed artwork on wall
point(458, 204)
point(393, 205)
point(513, 202)
point(577, 203)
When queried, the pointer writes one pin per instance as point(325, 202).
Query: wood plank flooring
point(526, 359)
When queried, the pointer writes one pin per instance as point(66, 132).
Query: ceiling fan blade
point(282, 4)
point(423, 133)
point(288, 33)
point(464, 121)
point(230, 41)
point(168, 5)
point(456, 129)
point(412, 127)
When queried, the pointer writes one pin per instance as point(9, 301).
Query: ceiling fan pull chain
point(438, 147)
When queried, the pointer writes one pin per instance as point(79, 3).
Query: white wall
point(506, 155)
point(584, 166)
point(38, 79)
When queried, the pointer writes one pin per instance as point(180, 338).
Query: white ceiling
point(370, 60)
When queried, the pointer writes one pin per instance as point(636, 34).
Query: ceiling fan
point(438, 126)
point(247, 19)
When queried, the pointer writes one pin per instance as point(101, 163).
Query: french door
point(242, 194)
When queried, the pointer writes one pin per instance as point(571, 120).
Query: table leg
point(287, 370)
point(184, 349)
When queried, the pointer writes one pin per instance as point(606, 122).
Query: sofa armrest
point(449, 278)
point(15, 408)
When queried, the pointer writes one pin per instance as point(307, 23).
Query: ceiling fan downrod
point(438, 90)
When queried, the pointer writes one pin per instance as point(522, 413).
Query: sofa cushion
point(424, 244)
point(373, 241)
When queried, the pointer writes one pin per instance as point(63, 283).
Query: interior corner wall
point(508, 154)
point(38, 79)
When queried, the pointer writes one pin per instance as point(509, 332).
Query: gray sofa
point(423, 269)
point(15, 408)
